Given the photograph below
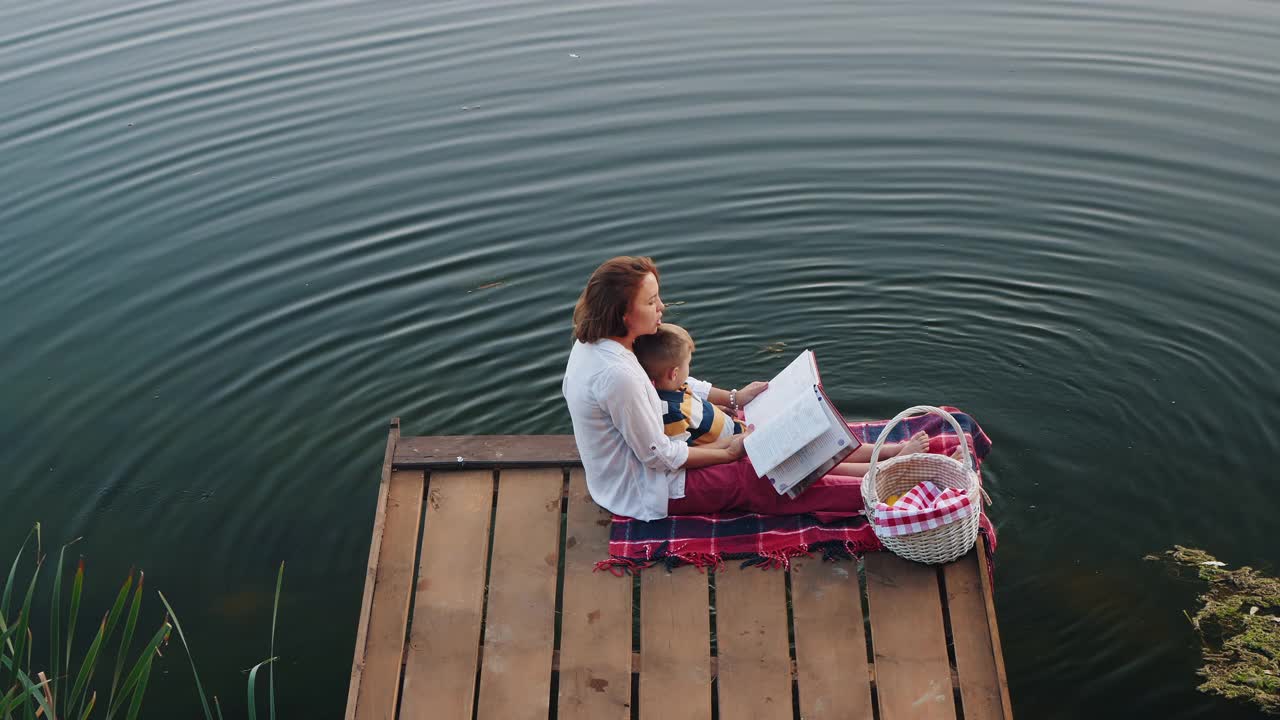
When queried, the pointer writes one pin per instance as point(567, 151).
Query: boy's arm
point(718, 443)
point(704, 456)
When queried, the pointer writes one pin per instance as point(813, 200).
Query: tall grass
point(69, 686)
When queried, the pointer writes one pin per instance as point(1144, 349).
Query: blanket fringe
point(620, 566)
point(849, 549)
point(701, 561)
point(831, 551)
point(768, 560)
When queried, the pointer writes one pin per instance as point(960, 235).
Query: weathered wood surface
point(913, 673)
point(675, 645)
point(486, 451)
point(371, 572)
point(982, 652)
point(389, 614)
point(444, 640)
point(595, 635)
point(911, 608)
point(753, 658)
point(515, 679)
point(831, 657)
point(975, 660)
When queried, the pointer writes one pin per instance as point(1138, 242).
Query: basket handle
point(916, 410)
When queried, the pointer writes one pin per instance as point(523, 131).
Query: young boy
point(665, 356)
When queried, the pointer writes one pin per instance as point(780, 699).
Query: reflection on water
point(238, 237)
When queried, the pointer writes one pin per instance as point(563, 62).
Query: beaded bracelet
point(733, 400)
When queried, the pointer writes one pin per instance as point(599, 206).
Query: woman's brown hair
point(607, 297)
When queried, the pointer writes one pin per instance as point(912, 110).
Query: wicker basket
point(899, 474)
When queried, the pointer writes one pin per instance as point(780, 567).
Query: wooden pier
point(481, 601)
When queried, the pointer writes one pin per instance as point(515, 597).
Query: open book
point(799, 435)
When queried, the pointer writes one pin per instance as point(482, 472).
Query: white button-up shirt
point(632, 467)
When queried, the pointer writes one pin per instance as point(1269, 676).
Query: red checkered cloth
point(772, 540)
point(923, 507)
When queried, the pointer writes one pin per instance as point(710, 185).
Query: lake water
point(237, 237)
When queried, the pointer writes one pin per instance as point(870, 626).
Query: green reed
point(69, 685)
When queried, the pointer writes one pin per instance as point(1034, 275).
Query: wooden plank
point(984, 571)
point(595, 626)
point(831, 644)
point(371, 571)
point(753, 660)
point(389, 617)
point(997, 648)
point(444, 638)
point(675, 645)
point(519, 632)
point(442, 452)
point(975, 654)
point(913, 673)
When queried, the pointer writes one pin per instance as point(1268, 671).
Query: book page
point(787, 433)
point(832, 442)
point(795, 380)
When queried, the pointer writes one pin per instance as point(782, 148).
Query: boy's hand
point(749, 393)
point(736, 448)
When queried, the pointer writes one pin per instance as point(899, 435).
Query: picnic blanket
point(773, 540)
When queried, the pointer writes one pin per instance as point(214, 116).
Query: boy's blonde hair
point(663, 350)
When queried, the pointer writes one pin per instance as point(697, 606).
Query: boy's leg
point(851, 469)
point(917, 443)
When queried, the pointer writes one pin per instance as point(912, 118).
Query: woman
point(632, 467)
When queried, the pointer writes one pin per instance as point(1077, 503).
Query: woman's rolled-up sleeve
point(626, 398)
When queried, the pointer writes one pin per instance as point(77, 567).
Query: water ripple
point(238, 237)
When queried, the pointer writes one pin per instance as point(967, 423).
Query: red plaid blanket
point(772, 540)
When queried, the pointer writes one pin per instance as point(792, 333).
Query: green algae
point(1239, 626)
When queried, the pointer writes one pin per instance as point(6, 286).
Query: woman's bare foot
point(917, 444)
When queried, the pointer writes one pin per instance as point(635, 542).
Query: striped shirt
point(691, 418)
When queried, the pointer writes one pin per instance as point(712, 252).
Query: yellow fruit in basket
point(891, 500)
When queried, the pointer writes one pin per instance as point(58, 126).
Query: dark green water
point(237, 237)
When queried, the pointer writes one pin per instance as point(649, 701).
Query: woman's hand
point(748, 393)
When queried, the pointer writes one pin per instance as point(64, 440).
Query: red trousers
point(735, 486)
